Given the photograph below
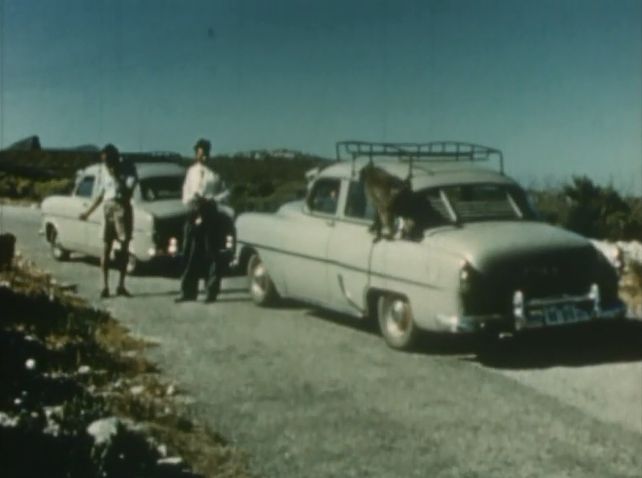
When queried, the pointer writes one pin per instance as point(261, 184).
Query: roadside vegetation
point(595, 211)
point(258, 180)
point(263, 180)
point(78, 399)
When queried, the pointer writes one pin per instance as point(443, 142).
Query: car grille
point(168, 227)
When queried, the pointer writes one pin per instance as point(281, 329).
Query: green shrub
point(591, 210)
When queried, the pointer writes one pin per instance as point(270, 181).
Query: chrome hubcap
point(398, 318)
point(259, 279)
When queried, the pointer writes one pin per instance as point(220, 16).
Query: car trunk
point(540, 260)
point(169, 220)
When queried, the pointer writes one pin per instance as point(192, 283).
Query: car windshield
point(481, 202)
point(161, 187)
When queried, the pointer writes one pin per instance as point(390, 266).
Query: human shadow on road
point(162, 269)
point(165, 293)
point(574, 346)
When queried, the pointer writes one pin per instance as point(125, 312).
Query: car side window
point(358, 204)
point(324, 196)
point(85, 187)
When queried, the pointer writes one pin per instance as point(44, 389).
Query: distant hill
point(32, 143)
point(87, 148)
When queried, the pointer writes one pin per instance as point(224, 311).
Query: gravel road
point(313, 394)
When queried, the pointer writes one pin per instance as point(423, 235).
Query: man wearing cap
point(115, 188)
point(201, 189)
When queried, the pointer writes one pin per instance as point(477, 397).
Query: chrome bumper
point(537, 313)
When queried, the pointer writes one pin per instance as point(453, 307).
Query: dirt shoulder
point(79, 399)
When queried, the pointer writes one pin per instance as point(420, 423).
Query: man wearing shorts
point(116, 186)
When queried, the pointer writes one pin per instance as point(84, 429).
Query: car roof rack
point(441, 151)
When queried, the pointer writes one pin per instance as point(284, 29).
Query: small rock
point(8, 421)
point(103, 430)
point(162, 450)
point(17, 402)
point(170, 460)
point(171, 390)
point(137, 389)
point(84, 369)
point(30, 364)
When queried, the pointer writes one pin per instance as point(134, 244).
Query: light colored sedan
point(159, 215)
point(483, 261)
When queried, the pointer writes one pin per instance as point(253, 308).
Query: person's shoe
point(121, 291)
point(104, 294)
point(209, 299)
point(181, 298)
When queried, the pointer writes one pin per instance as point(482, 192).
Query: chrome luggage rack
point(440, 151)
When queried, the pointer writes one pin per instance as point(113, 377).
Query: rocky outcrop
point(32, 143)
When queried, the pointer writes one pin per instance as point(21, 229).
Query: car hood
point(165, 208)
point(484, 243)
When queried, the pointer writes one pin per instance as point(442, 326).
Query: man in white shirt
point(200, 181)
point(115, 189)
point(201, 189)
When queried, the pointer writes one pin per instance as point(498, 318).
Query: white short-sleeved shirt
point(109, 186)
point(201, 181)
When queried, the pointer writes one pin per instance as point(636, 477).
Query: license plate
point(563, 314)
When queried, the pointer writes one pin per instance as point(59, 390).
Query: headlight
point(172, 248)
point(595, 297)
point(465, 277)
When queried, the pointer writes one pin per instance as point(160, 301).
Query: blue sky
point(556, 84)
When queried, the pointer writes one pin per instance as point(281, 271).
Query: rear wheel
point(262, 288)
point(57, 251)
point(396, 321)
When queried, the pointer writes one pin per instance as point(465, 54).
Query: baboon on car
point(391, 197)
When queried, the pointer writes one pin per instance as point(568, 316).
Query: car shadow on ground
point(362, 325)
point(427, 343)
point(573, 346)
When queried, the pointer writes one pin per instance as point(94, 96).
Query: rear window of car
point(480, 202)
point(159, 188)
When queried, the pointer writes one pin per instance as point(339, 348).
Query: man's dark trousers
point(200, 264)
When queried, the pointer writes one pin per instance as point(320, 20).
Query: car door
point(94, 224)
point(307, 243)
point(350, 250)
point(73, 231)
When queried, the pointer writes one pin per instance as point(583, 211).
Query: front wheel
point(57, 251)
point(262, 288)
point(396, 321)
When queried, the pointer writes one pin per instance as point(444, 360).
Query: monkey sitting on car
point(392, 197)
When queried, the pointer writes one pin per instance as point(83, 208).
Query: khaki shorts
point(118, 223)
